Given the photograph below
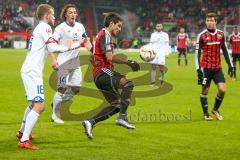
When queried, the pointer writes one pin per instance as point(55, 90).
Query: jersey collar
point(107, 31)
point(213, 33)
point(69, 24)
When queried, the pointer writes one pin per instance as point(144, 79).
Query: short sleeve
point(47, 34)
point(57, 34)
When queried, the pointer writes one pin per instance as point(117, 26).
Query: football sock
point(186, 61)
point(31, 120)
point(235, 73)
point(59, 98)
point(153, 76)
point(162, 75)
point(27, 110)
point(104, 114)
point(57, 101)
point(204, 102)
point(126, 96)
point(124, 107)
point(179, 59)
point(218, 101)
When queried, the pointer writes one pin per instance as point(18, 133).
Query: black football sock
point(104, 114)
point(235, 73)
point(204, 102)
point(186, 61)
point(218, 101)
point(179, 59)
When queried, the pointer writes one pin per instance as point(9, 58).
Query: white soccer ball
point(147, 53)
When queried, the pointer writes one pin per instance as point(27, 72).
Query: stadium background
point(140, 17)
point(182, 139)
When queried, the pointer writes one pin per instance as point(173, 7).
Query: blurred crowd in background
point(140, 16)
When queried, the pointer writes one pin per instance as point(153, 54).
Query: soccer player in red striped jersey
point(234, 40)
point(107, 80)
point(182, 42)
point(208, 64)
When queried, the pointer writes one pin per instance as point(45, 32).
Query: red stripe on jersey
point(211, 49)
point(50, 40)
point(99, 59)
point(235, 42)
point(181, 39)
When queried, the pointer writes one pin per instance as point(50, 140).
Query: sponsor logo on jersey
point(219, 36)
point(49, 31)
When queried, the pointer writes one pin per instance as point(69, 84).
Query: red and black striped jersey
point(102, 45)
point(208, 46)
point(234, 40)
point(182, 40)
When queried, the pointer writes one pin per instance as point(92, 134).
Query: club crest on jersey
point(49, 31)
point(219, 36)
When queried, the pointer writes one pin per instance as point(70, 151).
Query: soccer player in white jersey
point(40, 44)
point(69, 72)
point(160, 42)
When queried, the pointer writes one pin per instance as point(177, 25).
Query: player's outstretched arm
point(87, 44)
point(122, 60)
point(54, 62)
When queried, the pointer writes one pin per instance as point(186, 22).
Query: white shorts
point(158, 61)
point(33, 85)
point(69, 77)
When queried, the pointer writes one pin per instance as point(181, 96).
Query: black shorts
point(212, 74)
point(236, 57)
point(182, 50)
point(108, 83)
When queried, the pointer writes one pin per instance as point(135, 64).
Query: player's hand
point(200, 76)
point(231, 71)
point(55, 65)
point(134, 65)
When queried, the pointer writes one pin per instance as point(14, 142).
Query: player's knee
point(61, 90)
point(222, 90)
point(115, 103)
point(38, 107)
point(205, 90)
point(75, 90)
point(129, 84)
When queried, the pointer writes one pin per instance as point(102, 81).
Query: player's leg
point(234, 60)
point(127, 88)
point(68, 87)
point(220, 82)
point(207, 77)
point(179, 56)
point(153, 74)
point(105, 84)
point(162, 73)
point(31, 121)
point(238, 60)
point(185, 56)
point(35, 93)
point(20, 131)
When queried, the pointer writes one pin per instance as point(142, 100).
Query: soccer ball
point(147, 53)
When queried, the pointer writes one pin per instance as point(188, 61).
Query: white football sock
point(31, 120)
point(27, 110)
point(59, 98)
point(153, 75)
point(57, 101)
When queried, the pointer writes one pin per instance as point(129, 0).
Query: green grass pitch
point(168, 139)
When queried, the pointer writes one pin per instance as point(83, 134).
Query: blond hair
point(43, 9)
